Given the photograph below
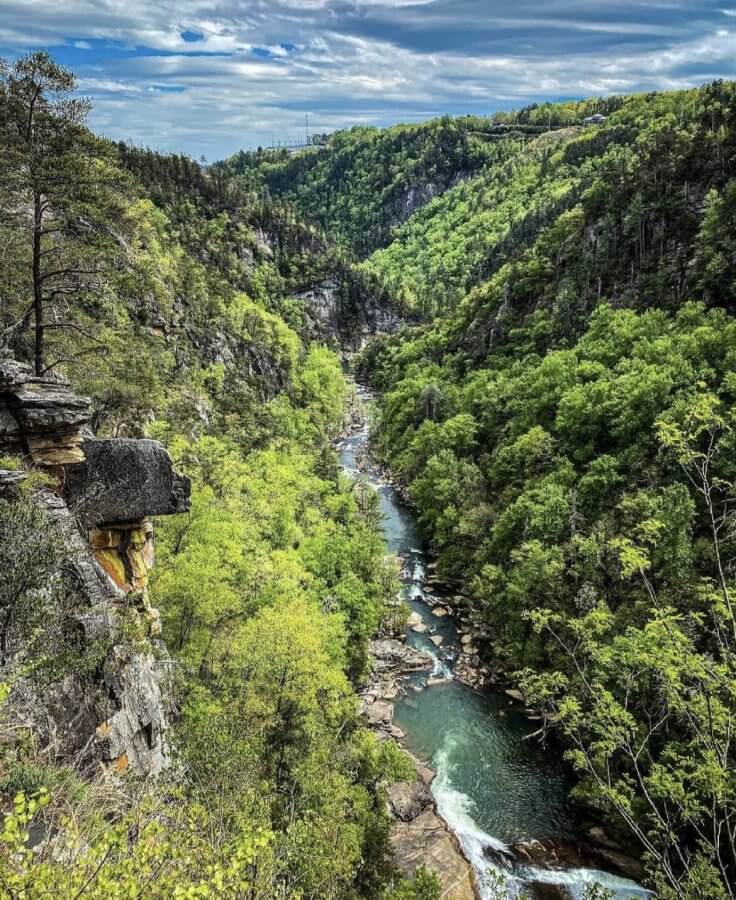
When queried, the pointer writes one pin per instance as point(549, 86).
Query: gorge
point(495, 789)
point(484, 649)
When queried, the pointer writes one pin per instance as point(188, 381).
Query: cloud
point(212, 76)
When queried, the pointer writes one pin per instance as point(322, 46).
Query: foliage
point(358, 184)
point(62, 202)
point(566, 434)
point(35, 590)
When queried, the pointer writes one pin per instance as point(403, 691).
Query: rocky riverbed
point(418, 836)
point(492, 808)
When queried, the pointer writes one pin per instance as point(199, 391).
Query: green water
point(494, 786)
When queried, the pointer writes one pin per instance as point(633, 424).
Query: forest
point(171, 311)
point(557, 404)
point(565, 432)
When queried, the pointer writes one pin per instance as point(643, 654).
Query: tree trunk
point(37, 286)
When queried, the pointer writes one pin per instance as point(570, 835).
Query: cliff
point(106, 701)
point(343, 313)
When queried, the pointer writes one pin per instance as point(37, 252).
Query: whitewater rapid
point(485, 771)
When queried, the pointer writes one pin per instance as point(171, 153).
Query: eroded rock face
point(426, 841)
point(40, 418)
point(415, 198)
point(115, 713)
point(123, 481)
point(343, 315)
point(115, 716)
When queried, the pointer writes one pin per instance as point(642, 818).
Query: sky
point(209, 77)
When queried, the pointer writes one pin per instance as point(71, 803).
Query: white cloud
point(354, 61)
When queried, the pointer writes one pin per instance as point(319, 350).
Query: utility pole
point(306, 119)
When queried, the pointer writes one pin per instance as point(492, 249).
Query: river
point(493, 787)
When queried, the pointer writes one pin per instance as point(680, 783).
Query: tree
point(33, 589)
point(63, 197)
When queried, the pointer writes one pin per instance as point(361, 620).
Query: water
point(493, 787)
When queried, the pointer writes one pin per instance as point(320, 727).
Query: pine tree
point(60, 189)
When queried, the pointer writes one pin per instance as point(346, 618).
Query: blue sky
point(208, 77)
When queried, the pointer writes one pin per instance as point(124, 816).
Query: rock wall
point(342, 313)
point(40, 417)
point(98, 508)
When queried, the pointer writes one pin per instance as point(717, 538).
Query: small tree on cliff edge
point(61, 191)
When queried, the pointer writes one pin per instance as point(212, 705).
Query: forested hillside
point(361, 183)
point(566, 434)
point(164, 294)
point(637, 183)
point(561, 418)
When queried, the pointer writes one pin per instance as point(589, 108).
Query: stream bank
point(490, 808)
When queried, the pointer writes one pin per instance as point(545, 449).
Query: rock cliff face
point(115, 715)
point(344, 315)
point(40, 417)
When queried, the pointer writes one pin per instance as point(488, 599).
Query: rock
point(601, 837)
point(136, 730)
point(330, 319)
point(390, 655)
point(407, 801)
point(10, 479)
point(561, 854)
point(426, 841)
point(432, 682)
point(421, 628)
point(626, 865)
point(466, 639)
point(414, 619)
point(416, 197)
point(379, 713)
point(124, 481)
point(541, 890)
point(437, 640)
point(514, 694)
point(40, 417)
point(440, 611)
point(119, 718)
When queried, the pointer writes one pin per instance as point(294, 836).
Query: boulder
point(123, 481)
point(392, 656)
point(407, 801)
point(379, 713)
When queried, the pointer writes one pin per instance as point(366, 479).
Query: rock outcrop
point(113, 492)
point(123, 480)
point(116, 714)
point(341, 312)
point(40, 418)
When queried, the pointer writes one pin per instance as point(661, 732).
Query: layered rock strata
point(99, 504)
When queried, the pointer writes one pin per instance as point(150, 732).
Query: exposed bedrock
point(114, 711)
